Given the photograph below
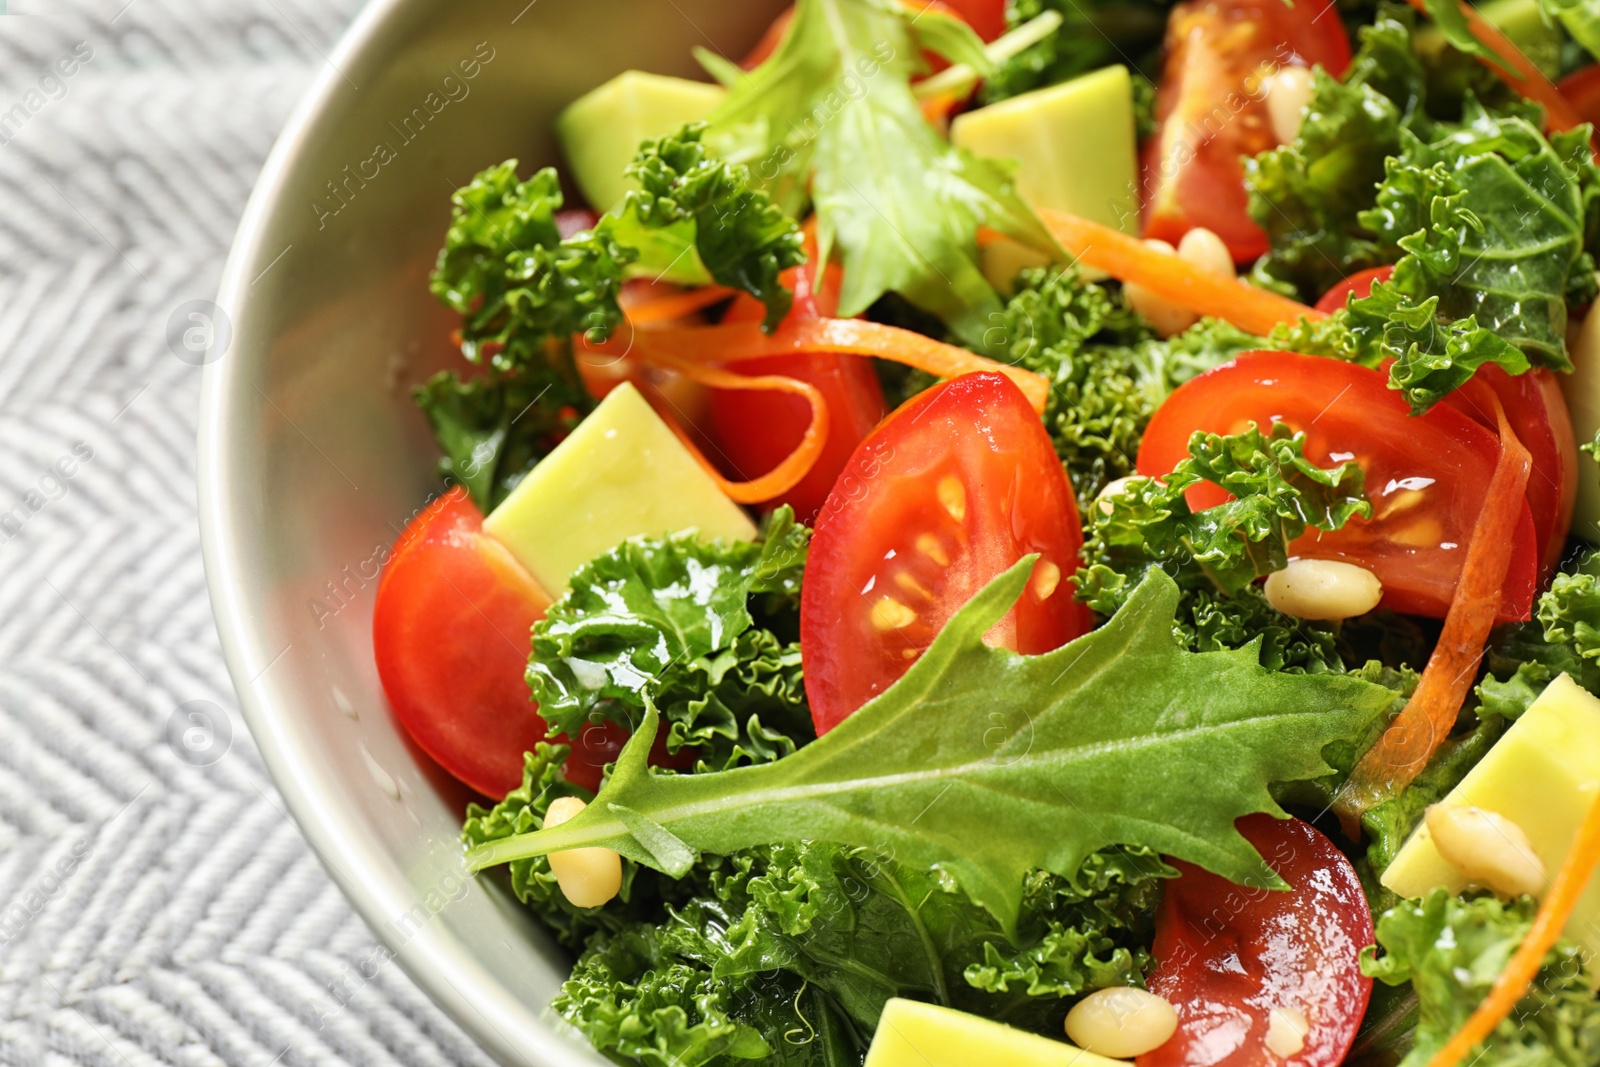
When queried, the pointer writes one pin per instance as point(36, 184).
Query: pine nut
point(1121, 1022)
point(588, 877)
point(1110, 491)
point(1488, 848)
point(1286, 1032)
point(1288, 93)
point(1199, 247)
point(1325, 589)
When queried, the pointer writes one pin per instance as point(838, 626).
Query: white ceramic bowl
point(313, 456)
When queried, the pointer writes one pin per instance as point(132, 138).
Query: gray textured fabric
point(152, 910)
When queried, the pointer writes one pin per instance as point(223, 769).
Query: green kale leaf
point(980, 761)
point(1108, 371)
point(670, 623)
point(831, 116)
point(1092, 34)
point(1564, 636)
point(1451, 950)
point(1277, 493)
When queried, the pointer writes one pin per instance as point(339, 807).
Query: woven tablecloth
point(155, 908)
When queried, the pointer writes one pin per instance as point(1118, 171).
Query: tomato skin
point(752, 432)
point(1426, 475)
point(1211, 110)
point(451, 633)
point(1358, 285)
point(1582, 90)
point(1537, 411)
point(947, 493)
point(1226, 955)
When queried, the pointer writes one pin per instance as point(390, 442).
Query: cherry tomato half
point(1582, 90)
point(451, 631)
point(1228, 955)
point(753, 432)
point(952, 489)
point(1358, 285)
point(1212, 109)
point(1426, 475)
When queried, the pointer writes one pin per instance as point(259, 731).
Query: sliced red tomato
point(1227, 956)
point(1537, 412)
point(753, 431)
point(1212, 111)
point(1425, 475)
point(1582, 90)
point(950, 491)
point(451, 632)
point(1358, 285)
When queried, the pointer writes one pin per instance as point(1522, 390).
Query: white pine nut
point(1110, 491)
point(1488, 848)
point(1286, 1032)
point(1288, 93)
point(1121, 1022)
point(1323, 589)
point(1207, 251)
point(1167, 318)
point(588, 876)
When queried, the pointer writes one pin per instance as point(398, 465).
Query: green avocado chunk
point(913, 1034)
point(600, 132)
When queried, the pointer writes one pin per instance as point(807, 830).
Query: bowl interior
point(314, 456)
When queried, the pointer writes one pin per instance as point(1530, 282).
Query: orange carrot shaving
point(732, 342)
point(1523, 967)
point(787, 474)
point(1131, 260)
point(1528, 79)
point(1410, 741)
point(676, 305)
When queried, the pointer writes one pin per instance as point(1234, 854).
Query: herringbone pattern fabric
point(152, 911)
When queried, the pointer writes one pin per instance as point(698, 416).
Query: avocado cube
point(600, 132)
point(1543, 775)
point(620, 474)
point(1074, 148)
point(913, 1034)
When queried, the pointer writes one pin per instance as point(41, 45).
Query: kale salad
point(1038, 532)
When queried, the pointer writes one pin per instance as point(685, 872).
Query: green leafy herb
point(1451, 951)
point(1564, 636)
point(1277, 492)
point(831, 115)
point(980, 760)
point(670, 622)
point(1108, 371)
point(1092, 34)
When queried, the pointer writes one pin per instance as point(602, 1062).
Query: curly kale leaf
point(1108, 371)
point(670, 622)
point(688, 199)
point(1308, 193)
point(1564, 636)
point(1451, 950)
point(1092, 34)
point(493, 429)
point(802, 944)
point(1277, 492)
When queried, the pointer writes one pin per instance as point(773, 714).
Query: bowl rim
point(507, 1027)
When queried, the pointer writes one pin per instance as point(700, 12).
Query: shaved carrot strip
point(676, 306)
point(1131, 260)
point(1410, 741)
point(1523, 966)
point(1528, 79)
point(732, 342)
point(787, 474)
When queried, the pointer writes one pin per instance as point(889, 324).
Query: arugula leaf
point(1451, 951)
point(1277, 494)
point(1308, 193)
point(707, 206)
point(1092, 34)
point(492, 430)
point(668, 623)
point(1108, 371)
point(831, 115)
point(1034, 782)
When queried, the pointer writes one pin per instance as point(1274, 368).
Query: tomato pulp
point(1211, 109)
point(1426, 475)
point(754, 431)
point(1227, 956)
point(950, 491)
